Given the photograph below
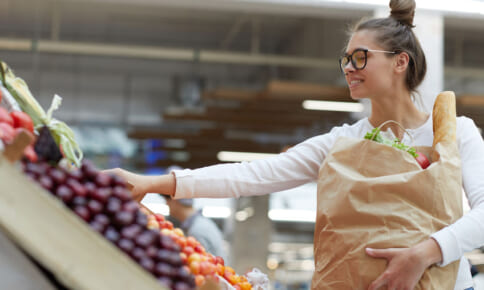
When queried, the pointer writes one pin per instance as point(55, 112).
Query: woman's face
point(376, 78)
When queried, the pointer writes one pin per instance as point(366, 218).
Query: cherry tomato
point(22, 120)
point(422, 160)
point(7, 132)
point(5, 117)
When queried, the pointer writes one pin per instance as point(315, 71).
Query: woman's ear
point(401, 62)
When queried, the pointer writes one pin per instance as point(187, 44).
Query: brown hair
point(395, 33)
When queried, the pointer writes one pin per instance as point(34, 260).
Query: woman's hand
point(136, 183)
point(405, 266)
point(140, 185)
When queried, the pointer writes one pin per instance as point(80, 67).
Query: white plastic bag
point(259, 280)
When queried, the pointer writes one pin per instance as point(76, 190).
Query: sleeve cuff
point(184, 184)
point(448, 246)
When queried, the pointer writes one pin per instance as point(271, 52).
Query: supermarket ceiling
point(203, 73)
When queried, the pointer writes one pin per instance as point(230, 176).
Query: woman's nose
point(348, 67)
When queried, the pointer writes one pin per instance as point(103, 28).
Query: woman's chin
point(355, 96)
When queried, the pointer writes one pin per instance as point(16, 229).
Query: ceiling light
point(216, 211)
point(291, 215)
point(332, 106)
point(241, 216)
point(231, 156)
point(272, 263)
point(462, 6)
point(158, 208)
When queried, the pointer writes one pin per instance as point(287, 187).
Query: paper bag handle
point(399, 125)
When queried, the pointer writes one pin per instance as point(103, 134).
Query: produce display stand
point(17, 271)
point(64, 244)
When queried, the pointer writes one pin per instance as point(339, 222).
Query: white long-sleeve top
point(301, 164)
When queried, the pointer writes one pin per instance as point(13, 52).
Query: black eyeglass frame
point(353, 62)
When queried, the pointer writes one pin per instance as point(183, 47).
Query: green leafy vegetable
point(396, 143)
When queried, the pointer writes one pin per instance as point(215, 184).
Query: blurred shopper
point(194, 224)
point(385, 63)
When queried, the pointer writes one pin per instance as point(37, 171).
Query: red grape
point(138, 253)
point(147, 263)
point(113, 205)
point(102, 179)
point(75, 174)
point(131, 206)
point(57, 175)
point(76, 187)
point(88, 169)
point(111, 234)
point(141, 219)
point(46, 182)
point(165, 281)
point(79, 200)
point(151, 251)
point(101, 194)
point(181, 286)
point(122, 193)
point(163, 269)
point(102, 219)
point(183, 274)
point(64, 193)
point(97, 226)
point(82, 212)
point(90, 187)
point(95, 206)
point(130, 232)
point(126, 245)
point(163, 255)
point(117, 181)
point(34, 168)
point(123, 218)
point(146, 239)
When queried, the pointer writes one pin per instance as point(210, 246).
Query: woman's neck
point(399, 108)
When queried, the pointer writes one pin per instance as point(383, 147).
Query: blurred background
point(151, 84)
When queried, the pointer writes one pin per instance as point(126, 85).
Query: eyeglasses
point(358, 58)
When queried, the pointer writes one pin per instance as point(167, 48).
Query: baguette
point(444, 118)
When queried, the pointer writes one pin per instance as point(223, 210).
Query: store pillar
point(251, 236)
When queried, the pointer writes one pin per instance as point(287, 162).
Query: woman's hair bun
point(403, 11)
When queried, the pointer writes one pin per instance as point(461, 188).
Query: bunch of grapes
point(104, 202)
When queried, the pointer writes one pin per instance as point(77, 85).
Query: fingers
point(114, 171)
point(384, 254)
point(380, 253)
point(379, 282)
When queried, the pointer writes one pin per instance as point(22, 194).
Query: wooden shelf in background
point(230, 94)
point(470, 101)
point(283, 90)
point(258, 119)
point(302, 91)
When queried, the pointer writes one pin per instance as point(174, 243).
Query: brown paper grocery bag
point(373, 195)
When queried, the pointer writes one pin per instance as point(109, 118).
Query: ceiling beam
point(156, 52)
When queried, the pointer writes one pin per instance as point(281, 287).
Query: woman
point(384, 63)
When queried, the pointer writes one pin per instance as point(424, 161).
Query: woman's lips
point(353, 83)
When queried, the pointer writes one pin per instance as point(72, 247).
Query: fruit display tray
point(64, 244)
